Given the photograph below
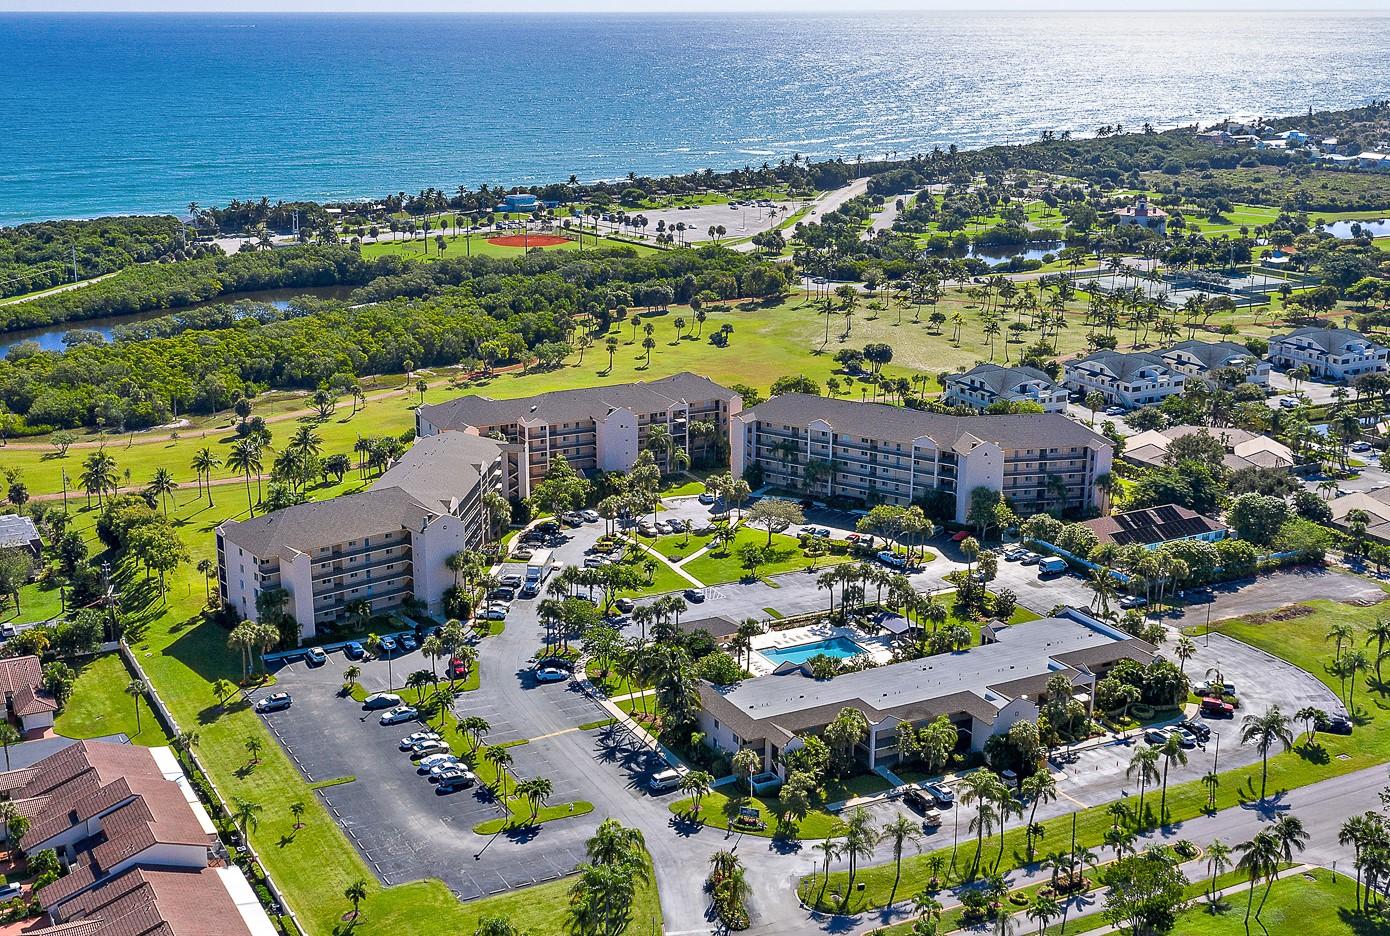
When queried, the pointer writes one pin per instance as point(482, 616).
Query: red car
point(458, 669)
point(1215, 707)
point(960, 537)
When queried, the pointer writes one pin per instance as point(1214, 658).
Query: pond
point(1343, 229)
point(1003, 253)
point(50, 337)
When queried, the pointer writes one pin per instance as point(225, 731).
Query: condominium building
point(1217, 361)
point(1329, 353)
point(594, 428)
point(983, 691)
point(986, 384)
point(1127, 379)
point(382, 546)
point(876, 453)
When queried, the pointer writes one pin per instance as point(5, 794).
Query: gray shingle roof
point(1332, 340)
point(1002, 379)
point(901, 424)
point(440, 469)
point(1124, 364)
point(1212, 354)
point(560, 406)
point(17, 531)
point(338, 520)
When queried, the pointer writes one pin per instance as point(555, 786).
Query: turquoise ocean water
point(108, 114)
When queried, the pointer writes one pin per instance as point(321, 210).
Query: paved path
point(58, 289)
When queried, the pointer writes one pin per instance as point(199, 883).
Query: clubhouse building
point(382, 546)
point(876, 453)
point(983, 691)
point(594, 428)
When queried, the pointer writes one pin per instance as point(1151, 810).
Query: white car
point(662, 526)
point(410, 740)
point(382, 700)
point(548, 674)
point(431, 761)
point(426, 748)
point(590, 516)
point(275, 702)
point(495, 613)
point(316, 656)
point(401, 713)
point(454, 764)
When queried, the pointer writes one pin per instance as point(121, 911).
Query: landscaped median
point(1301, 641)
point(720, 809)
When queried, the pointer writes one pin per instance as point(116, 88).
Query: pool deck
point(879, 648)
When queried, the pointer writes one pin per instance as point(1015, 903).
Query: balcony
point(369, 587)
point(336, 572)
point(336, 554)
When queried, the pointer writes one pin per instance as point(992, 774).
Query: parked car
point(594, 562)
point(495, 613)
point(10, 891)
point(316, 656)
point(353, 650)
point(1338, 724)
point(275, 702)
point(387, 645)
point(892, 560)
point(381, 700)
point(625, 605)
point(590, 516)
point(522, 553)
point(415, 737)
point(511, 580)
point(401, 713)
point(1030, 558)
point(428, 747)
point(1361, 447)
point(571, 519)
point(431, 761)
point(961, 537)
point(665, 780)
point(706, 497)
point(1156, 737)
point(1213, 707)
point(408, 643)
point(1198, 730)
point(931, 819)
point(549, 674)
point(1288, 402)
point(1133, 601)
point(662, 527)
point(1186, 739)
point(818, 532)
point(918, 800)
point(502, 594)
point(450, 763)
point(458, 669)
point(677, 525)
point(940, 794)
point(455, 781)
point(694, 596)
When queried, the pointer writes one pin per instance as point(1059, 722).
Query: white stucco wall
point(615, 438)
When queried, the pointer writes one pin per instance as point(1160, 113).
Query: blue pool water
point(841, 647)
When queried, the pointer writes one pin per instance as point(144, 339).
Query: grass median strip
point(336, 781)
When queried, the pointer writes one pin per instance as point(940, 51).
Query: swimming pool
point(839, 647)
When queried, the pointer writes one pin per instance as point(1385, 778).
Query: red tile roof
point(16, 672)
point(31, 701)
point(143, 902)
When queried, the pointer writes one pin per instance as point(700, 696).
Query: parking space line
point(1062, 792)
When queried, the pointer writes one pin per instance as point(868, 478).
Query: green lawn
point(38, 601)
point(663, 579)
point(1299, 640)
point(718, 809)
point(99, 705)
point(1323, 906)
point(678, 546)
point(724, 565)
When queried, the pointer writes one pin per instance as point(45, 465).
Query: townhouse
point(1218, 363)
point(986, 384)
point(1328, 352)
point(142, 854)
point(876, 453)
point(983, 691)
point(381, 546)
point(1128, 379)
point(594, 428)
point(27, 703)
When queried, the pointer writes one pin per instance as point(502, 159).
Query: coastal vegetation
point(45, 254)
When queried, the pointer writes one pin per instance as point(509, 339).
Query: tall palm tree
point(245, 457)
point(162, 487)
point(1171, 752)
point(136, 689)
point(1144, 762)
point(1259, 859)
point(1218, 861)
point(1264, 731)
point(830, 849)
point(860, 839)
point(204, 464)
point(900, 832)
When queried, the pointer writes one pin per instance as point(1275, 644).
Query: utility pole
point(74, 263)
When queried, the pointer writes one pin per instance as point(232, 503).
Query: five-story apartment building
point(889, 454)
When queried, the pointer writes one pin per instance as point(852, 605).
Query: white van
point(665, 780)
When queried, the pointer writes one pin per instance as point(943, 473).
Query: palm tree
point(1263, 731)
point(1038, 788)
point(9, 734)
point(1171, 752)
point(136, 689)
point(1043, 908)
point(1379, 634)
point(246, 814)
point(1145, 763)
point(204, 464)
point(830, 849)
point(162, 487)
point(1185, 650)
point(1353, 663)
point(860, 839)
point(356, 892)
point(980, 789)
point(297, 811)
point(1259, 859)
point(695, 784)
point(1341, 633)
point(1218, 861)
point(537, 792)
point(899, 832)
point(245, 457)
point(500, 759)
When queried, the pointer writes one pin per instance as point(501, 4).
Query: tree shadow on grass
point(1313, 753)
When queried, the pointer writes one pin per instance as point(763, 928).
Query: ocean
point(107, 114)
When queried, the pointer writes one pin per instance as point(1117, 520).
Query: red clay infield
point(529, 240)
